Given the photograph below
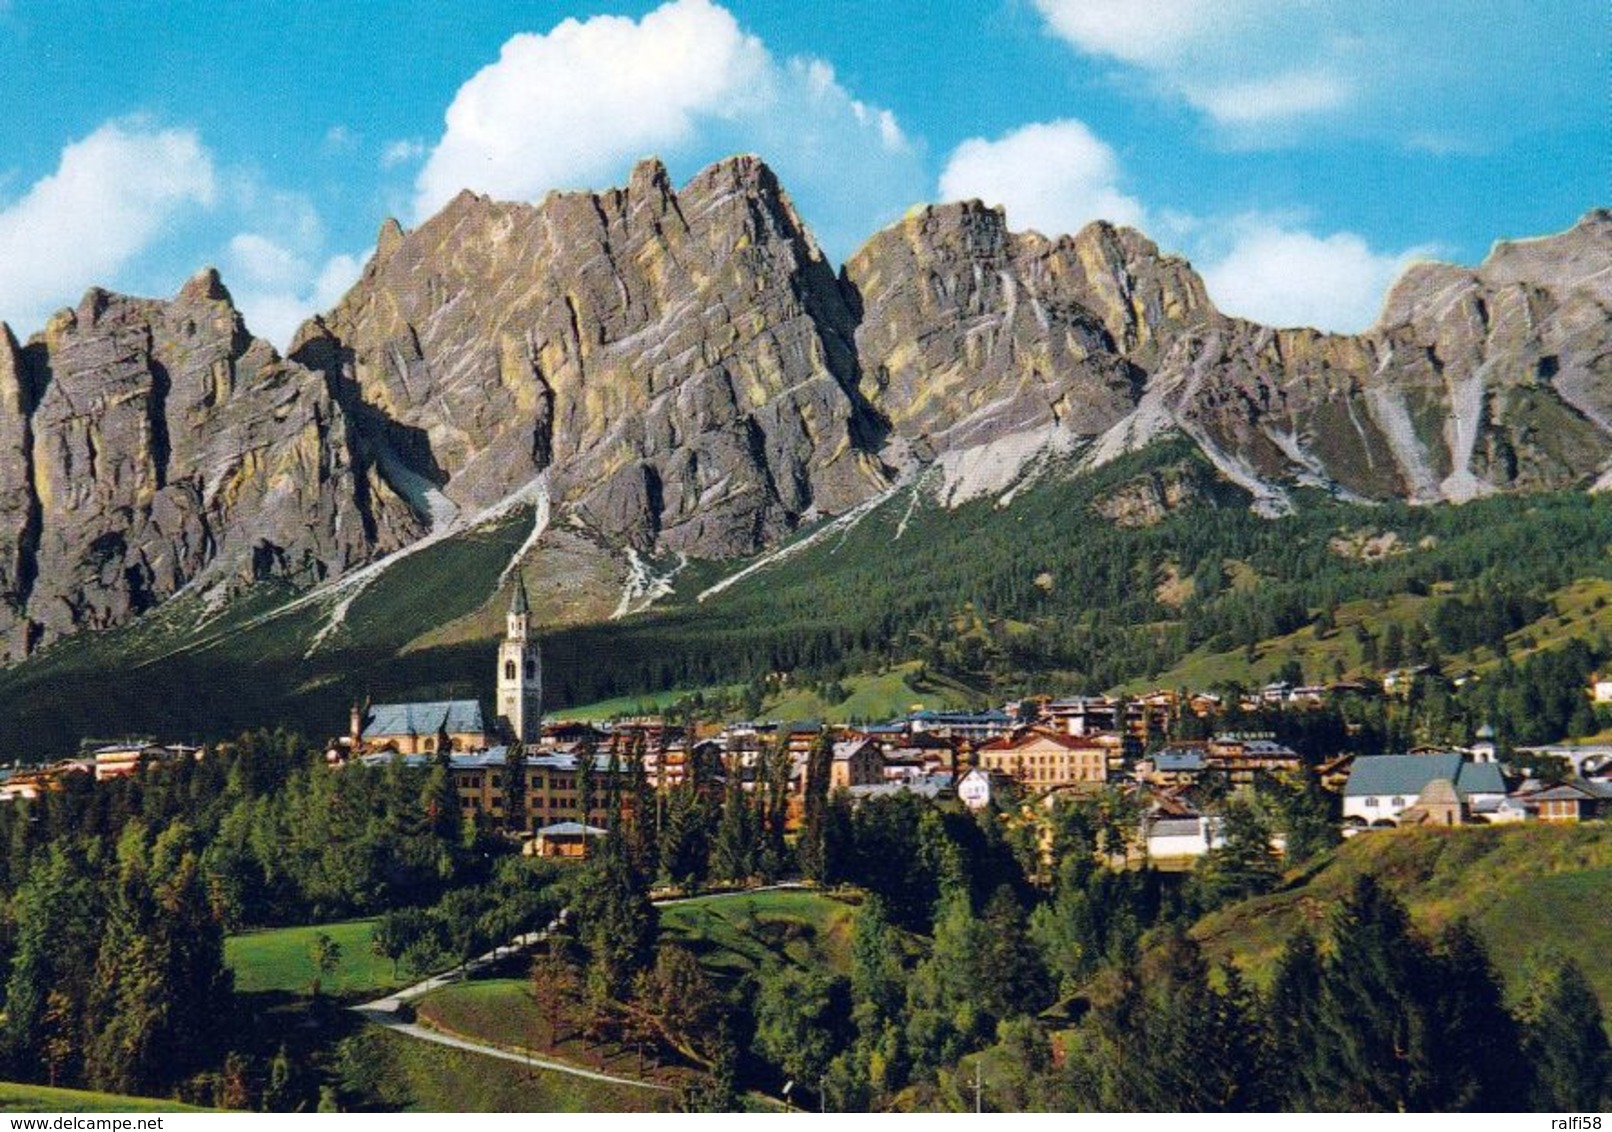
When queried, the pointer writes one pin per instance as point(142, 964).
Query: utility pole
point(979, 1089)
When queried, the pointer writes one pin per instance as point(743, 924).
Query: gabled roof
point(1574, 791)
point(457, 717)
point(1480, 778)
point(1408, 775)
point(1025, 738)
point(847, 749)
point(1400, 774)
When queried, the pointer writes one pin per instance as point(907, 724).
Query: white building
point(1382, 787)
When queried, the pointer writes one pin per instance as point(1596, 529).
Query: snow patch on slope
point(540, 523)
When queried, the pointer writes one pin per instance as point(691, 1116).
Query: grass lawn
point(417, 1076)
point(734, 934)
point(278, 959)
point(503, 1012)
point(876, 696)
point(39, 1098)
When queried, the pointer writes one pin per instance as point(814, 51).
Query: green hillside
point(1526, 888)
point(1047, 594)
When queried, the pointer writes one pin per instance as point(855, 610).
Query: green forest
point(1047, 595)
point(945, 946)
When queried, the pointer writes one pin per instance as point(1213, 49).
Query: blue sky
point(1299, 152)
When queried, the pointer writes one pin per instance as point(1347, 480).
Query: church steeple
point(520, 671)
point(520, 611)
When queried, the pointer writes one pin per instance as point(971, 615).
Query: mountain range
point(663, 375)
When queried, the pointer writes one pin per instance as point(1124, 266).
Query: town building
point(520, 672)
point(421, 728)
point(1382, 787)
point(856, 762)
point(1044, 760)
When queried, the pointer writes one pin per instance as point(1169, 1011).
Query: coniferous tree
point(1293, 1008)
point(685, 844)
point(617, 926)
point(813, 831)
point(642, 847)
point(515, 816)
point(733, 853)
point(1565, 1040)
point(1478, 1045)
point(1375, 1027)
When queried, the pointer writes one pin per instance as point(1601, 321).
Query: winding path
point(384, 1011)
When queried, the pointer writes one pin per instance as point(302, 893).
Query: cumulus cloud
point(1156, 33)
point(1053, 177)
point(576, 106)
point(1270, 71)
point(113, 194)
point(1242, 62)
point(1285, 276)
point(277, 289)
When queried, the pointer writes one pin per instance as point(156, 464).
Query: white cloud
point(1282, 275)
point(573, 108)
point(1054, 177)
point(340, 139)
point(276, 289)
point(1270, 72)
point(1257, 101)
point(402, 151)
point(562, 110)
point(1155, 33)
point(112, 195)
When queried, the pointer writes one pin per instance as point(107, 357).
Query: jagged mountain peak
point(678, 371)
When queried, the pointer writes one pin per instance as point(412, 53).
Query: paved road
point(384, 1011)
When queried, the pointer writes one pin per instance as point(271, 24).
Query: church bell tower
point(520, 672)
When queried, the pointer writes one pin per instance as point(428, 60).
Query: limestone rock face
point(688, 375)
point(1473, 381)
point(145, 444)
point(987, 347)
point(681, 362)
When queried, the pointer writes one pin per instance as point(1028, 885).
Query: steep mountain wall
point(690, 376)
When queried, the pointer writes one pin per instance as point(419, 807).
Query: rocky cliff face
point(680, 362)
point(145, 445)
point(1473, 381)
point(688, 375)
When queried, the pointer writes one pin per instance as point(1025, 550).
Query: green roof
point(1408, 775)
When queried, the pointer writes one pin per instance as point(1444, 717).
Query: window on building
point(531, 669)
point(509, 670)
point(1371, 803)
point(1399, 801)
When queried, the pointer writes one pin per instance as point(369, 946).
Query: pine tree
point(685, 846)
point(1376, 1024)
point(617, 926)
point(1477, 1044)
point(1293, 1008)
point(733, 854)
point(1566, 1043)
point(813, 832)
point(515, 818)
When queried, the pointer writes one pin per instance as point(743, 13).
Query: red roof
point(1067, 742)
